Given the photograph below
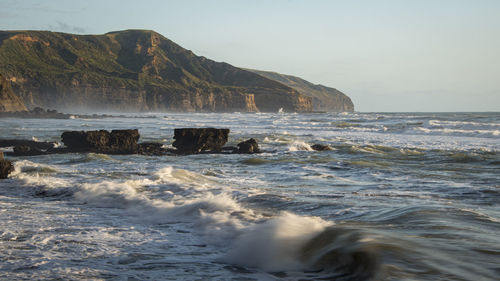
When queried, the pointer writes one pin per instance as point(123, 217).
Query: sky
point(387, 55)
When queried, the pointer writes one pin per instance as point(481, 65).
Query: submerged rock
point(17, 142)
point(321, 147)
point(26, 150)
point(248, 146)
point(152, 148)
point(116, 142)
point(196, 140)
point(5, 167)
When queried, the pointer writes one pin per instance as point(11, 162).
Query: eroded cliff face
point(9, 102)
point(323, 98)
point(132, 70)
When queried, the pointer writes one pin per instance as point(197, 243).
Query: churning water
point(400, 197)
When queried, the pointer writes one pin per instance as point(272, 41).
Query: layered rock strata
point(9, 102)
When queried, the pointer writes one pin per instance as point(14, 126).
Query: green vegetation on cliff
point(133, 70)
point(9, 102)
point(323, 98)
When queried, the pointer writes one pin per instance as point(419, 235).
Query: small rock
point(321, 147)
point(151, 148)
point(248, 146)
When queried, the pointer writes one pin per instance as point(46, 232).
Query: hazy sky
point(387, 55)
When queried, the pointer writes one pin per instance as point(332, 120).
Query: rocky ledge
point(187, 141)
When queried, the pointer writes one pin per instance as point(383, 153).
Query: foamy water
point(400, 197)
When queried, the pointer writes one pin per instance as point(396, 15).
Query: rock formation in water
point(132, 70)
point(5, 167)
point(116, 142)
point(196, 140)
point(248, 146)
point(9, 102)
point(323, 98)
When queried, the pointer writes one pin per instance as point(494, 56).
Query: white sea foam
point(299, 146)
point(36, 174)
point(188, 198)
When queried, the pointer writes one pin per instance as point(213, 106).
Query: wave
point(295, 243)
point(459, 132)
point(276, 244)
point(90, 157)
point(171, 196)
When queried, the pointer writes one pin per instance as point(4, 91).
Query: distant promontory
point(132, 71)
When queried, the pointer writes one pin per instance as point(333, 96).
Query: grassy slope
point(122, 58)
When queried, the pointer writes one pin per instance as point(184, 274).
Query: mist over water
point(401, 196)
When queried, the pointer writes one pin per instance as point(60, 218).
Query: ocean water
point(402, 196)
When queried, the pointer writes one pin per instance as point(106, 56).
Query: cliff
point(132, 70)
point(9, 102)
point(323, 98)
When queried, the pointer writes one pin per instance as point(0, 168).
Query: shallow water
point(400, 197)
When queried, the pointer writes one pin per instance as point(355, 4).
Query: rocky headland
point(131, 71)
point(323, 98)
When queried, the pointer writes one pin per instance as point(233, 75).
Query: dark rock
point(25, 150)
point(116, 142)
point(39, 112)
point(248, 146)
point(229, 149)
point(321, 147)
point(80, 141)
point(30, 143)
point(57, 150)
point(151, 148)
point(124, 141)
point(5, 167)
point(196, 140)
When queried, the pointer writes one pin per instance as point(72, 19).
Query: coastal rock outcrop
point(196, 140)
point(116, 142)
point(323, 98)
point(5, 167)
point(187, 141)
point(9, 102)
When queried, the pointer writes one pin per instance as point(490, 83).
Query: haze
point(386, 55)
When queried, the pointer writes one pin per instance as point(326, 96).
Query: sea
point(401, 196)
